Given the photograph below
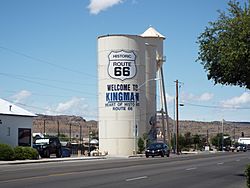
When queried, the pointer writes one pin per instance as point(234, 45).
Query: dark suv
point(47, 146)
point(157, 149)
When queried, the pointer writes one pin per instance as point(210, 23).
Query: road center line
point(193, 168)
point(136, 178)
point(62, 174)
point(221, 163)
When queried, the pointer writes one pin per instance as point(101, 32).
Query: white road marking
point(193, 168)
point(136, 178)
point(237, 160)
point(221, 163)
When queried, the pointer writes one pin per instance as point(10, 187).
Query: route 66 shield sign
point(122, 65)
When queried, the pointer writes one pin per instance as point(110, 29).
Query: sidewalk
point(52, 159)
point(78, 158)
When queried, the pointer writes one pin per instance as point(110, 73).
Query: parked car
point(66, 152)
point(47, 146)
point(232, 148)
point(241, 147)
point(157, 149)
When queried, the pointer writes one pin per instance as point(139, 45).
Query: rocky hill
point(210, 129)
point(70, 126)
point(79, 127)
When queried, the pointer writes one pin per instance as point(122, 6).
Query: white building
point(15, 125)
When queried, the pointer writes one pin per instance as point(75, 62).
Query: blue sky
point(48, 54)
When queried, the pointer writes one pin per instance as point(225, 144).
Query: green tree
point(181, 142)
point(173, 142)
point(94, 134)
point(188, 139)
point(196, 140)
point(63, 137)
point(141, 145)
point(217, 140)
point(224, 47)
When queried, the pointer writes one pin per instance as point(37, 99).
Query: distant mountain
point(63, 123)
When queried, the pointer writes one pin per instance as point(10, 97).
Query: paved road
point(198, 171)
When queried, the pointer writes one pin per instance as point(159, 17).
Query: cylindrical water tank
point(126, 92)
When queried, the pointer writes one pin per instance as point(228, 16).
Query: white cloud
point(97, 6)
point(202, 98)
point(21, 96)
point(237, 101)
point(169, 98)
point(206, 97)
point(75, 106)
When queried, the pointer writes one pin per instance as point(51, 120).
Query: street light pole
point(135, 124)
point(177, 117)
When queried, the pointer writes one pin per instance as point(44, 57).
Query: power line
point(46, 62)
point(43, 79)
point(219, 107)
point(48, 85)
point(40, 94)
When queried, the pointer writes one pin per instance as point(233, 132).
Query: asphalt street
point(196, 171)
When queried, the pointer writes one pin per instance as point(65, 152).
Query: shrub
point(6, 152)
point(22, 153)
point(19, 153)
point(141, 146)
point(247, 173)
point(31, 153)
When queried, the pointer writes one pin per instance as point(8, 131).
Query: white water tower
point(127, 67)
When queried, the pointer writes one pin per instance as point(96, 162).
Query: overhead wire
point(24, 78)
point(47, 62)
point(37, 94)
point(219, 107)
point(47, 85)
point(43, 79)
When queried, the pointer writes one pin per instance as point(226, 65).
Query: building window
point(24, 137)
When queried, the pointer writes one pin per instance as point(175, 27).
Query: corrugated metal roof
point(8, 108)
point(151, 32)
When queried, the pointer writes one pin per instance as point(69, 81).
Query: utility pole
point(174, 127)
point(81, 144)
point(222, 141)
point(90, 134)
point(234, 133)
point(177, 116)
point(44, 131)
point(70, 132)
point(58, 129)
point(207, 136)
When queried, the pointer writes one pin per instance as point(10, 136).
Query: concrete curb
point(50, 160)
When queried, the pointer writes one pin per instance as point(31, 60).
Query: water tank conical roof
point(151, 32)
